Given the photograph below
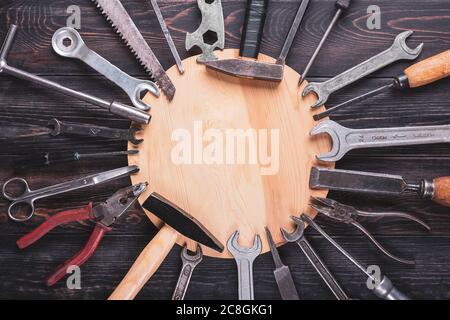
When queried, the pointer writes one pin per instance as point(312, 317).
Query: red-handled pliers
point(104, 215)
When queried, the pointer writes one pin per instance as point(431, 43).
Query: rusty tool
point(114, 107)
point(189, 264)
point(104, 215)
point(341, 6)
point(341, 213)
point(378, 183)
point(419, 74)
point(282, 274)
point(121, 21)
point(344, 139)
point(399, 50)
point(253, 69)
point(382, 287)
point(177, 222)
point(165, 30)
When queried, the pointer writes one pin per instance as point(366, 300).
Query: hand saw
point(121, 21)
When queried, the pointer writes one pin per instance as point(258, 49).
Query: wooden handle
point(146, 264)
point(429, 70)
point(442, 191)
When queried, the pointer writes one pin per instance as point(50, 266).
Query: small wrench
point(398, 51)
point(244, 259)
point(59, 127)
point(344, 139)
point(298, 236)
point(189, 264)
point(67, 42)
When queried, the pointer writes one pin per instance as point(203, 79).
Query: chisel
point(437, 189)
point(418, 75)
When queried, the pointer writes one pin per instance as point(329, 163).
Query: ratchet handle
point(255, 17)
point(426, 72)
point(343, 4)
point(81, 257)
point(51, 223)
point(386, 290)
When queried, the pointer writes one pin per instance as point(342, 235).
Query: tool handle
point(146, 264)
point(81, 257)
point(343, 4)
point(51, 223)
point(255, 18)
point(441, 192)
point(386, 290)
point(428, 71)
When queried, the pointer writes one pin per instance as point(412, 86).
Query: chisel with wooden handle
point(418, 75)
point(177, 222)
point(437, 189)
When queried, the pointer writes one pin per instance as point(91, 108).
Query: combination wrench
point(344, 139)
point(398, 51)
point(114, 107)
point(244, 259)
point(298, 236)
point(189, 264)
point(67, 42)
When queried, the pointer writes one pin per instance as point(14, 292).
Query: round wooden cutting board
point(181, 156)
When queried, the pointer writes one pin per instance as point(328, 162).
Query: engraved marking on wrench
point(398, 51)
point(189, 264)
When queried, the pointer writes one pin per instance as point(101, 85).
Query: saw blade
point(121, 21)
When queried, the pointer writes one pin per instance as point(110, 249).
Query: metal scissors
point(22, 206)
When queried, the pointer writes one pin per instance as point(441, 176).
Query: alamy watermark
point(73, 282)
point(227, 147)
point(374, 20)
point(74, 19)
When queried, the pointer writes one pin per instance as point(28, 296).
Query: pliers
point(341, 213)
point(104, 215)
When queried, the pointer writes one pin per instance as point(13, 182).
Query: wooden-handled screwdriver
point(420, 74)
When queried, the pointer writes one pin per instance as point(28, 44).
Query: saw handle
point(146, 264)
point(255, 17)
point(426, 71)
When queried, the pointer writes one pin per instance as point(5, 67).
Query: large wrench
point(345, 139)
point(398, 51)
point(244, 259)
point(67, 42)
point(189, 264)
point(298, 236)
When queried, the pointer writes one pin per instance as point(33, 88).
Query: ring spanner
point(67, 42)
point(189, 264)
point(398, 51)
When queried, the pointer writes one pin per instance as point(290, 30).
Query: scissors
point(22, 206)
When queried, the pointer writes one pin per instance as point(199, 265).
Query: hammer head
point(181, 221)
point(248, 69)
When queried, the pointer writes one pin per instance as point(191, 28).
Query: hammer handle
point(429, 70)
point(146, 264)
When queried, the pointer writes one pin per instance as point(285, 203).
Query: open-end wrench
point(398, 51)
point(345, 139)
point(189, 264)
point(67, 42)
point(58, 127)
point(114, 107)
point(244, 259)
point(298, 236)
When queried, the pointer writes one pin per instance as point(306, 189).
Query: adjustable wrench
point(189, 264)
point(67, 42)
point(398, 51)
point(58, 127)
point(298, 236)
point(244, 259)
point(345, 139)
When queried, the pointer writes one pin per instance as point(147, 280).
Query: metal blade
point(119, 18)
point(248, 69)
point(357, 181)
point(181, 221)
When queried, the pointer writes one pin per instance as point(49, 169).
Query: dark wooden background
point(22, 274)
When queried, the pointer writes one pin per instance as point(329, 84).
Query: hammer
point(177, 221)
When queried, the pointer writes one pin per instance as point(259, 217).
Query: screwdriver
point(419, 74)
point(341, 6)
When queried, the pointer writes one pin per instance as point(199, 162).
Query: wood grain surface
point(23, 272)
